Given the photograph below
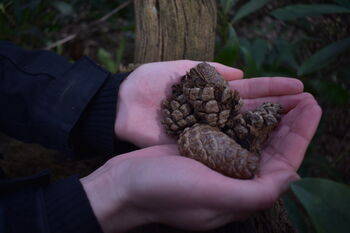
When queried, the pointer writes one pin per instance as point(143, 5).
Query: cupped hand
point(157, 185)
point(287, 144)
point(140, 96)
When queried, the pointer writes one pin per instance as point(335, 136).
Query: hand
point(287, 144)
point(140, 96)
point(157, 185)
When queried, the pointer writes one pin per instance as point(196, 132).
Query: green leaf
point(64, 8)
point(344, 74)
point(59, 49)
point(33, 4)
point(324, 56)
point(300, 10)
point(295, 214)
point(106, 60)
point(119, 53)
point(330, 92)
point(344, 3)
point(7, 16)
point(227, 5)
point(326, 202)
point(2, 9)
point(286, 53)
point(249, 7)
point(259, 50)
point(230, 51)
point(250, 68)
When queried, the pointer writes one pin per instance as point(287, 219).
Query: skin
point(156, 184)
point(141, 95)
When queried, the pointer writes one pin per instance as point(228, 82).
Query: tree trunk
point(185, 29)
point(174, 29)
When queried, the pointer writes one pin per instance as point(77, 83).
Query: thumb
point(265, 190)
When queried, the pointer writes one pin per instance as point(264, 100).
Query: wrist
point(125, 114)
point(120, 126)
point(107, 193)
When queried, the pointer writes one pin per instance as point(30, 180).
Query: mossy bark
point(182, 29)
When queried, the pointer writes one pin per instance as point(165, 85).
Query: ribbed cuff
point(94, 133)
point(68, 208)
point(97, 129)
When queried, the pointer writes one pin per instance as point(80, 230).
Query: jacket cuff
point(95, 131)
point(68, 208)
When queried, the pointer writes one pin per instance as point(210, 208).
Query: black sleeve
point(70, 107)
point(32, 205)
point(47, 100)
point(94, 133)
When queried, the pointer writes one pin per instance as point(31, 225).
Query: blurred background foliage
point(308, 39)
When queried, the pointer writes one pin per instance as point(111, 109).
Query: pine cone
point(202, 96)
point(210, 96)
point(218, 151)
point(252, 129)
point(178, 114)
point(201, 105)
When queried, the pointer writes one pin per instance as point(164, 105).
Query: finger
point(269, 187)
point(252, 195)
point(263, 87)
point(227, 72)
point(288, 102)
point(288, 145)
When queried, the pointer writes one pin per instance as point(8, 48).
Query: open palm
point(140, 96)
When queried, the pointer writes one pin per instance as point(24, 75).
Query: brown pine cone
point(218, 151)
point(202, 96)
point(201, 105)
point(178, 114)
point(252, 128)
point(210, 96)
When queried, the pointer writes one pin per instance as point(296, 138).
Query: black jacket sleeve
point(32, 205)
point(70, 107)
point(45, 99)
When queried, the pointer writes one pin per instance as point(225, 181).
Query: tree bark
point(185, 29)
point(174, 29)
